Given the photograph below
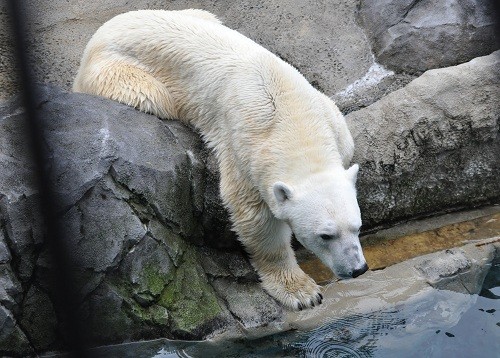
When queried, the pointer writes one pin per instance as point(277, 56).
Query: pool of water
point(438, 324)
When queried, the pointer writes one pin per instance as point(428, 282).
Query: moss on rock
point(155, 280)
point(189, 298)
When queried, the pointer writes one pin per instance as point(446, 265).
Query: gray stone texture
point(131, 198)
point(432, 145)
point(416, 35)
point(456, 270)
point(321, 38)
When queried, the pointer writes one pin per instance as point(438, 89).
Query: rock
point(414, 36)
point(426, 287)
point(39, 319)
point(148, 268)
point(135, 214)
point(10, 289)
point(432, 145)
point(12, 339)
point(248, 302)
point(375, 84)
point(193, 301)
point(456, 270)
point(320, 38)
point(236, 282)
point(449, 263)
point(106, 317)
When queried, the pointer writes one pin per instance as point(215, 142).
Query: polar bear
point(282, 146)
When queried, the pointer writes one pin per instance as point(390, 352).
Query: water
point(435, 324)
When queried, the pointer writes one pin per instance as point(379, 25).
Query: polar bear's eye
point(327, 237)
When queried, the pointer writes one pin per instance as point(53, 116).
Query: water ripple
point(354, 336)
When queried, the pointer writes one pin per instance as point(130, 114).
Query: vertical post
point(65, 293)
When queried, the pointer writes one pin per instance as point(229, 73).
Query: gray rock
point(320, 38)
point(95, 243)
point(12, 339)
point(369, 89)
point(148, 268)
point(39, 319)
point(18, 196)
point(432, 145)
point(248, 302)
point(414, 36)
point(132, 205)
point(448, 263)
point(227, 264)
point(456, 270)
point(164, 180)
point(23, 228)
point(5, 255)
point(10, 289)
point(237, 284)
point(106, 319)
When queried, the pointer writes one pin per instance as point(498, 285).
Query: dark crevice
point(135, 197)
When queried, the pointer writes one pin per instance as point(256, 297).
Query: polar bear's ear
point(352, 172)
point(282, 192)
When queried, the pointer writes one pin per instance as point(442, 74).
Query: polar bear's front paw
point(295, 290)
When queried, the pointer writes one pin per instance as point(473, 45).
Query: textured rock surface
point(384, 313)
point(321, 38)
point(456, 270)
point(132, 192)
point(417, 35)
point(432, 145)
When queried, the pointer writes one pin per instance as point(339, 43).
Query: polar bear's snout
point(355, 255)
point(360, 271)
point(347, 259)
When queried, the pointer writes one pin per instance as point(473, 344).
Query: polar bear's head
point(324, 215)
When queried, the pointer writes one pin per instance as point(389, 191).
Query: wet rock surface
point(461, 270)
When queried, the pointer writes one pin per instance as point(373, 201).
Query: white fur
point(281, 145)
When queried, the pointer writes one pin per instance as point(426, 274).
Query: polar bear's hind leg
point(128, 84)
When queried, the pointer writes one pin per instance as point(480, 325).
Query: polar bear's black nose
point(360, 271)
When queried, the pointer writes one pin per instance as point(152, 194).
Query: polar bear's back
point(259, 113)
point(199, 61)
point(190, 38)
point(172, 30)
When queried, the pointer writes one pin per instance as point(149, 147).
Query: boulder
point(414, 36)
point(138, 201)
point(432, 145)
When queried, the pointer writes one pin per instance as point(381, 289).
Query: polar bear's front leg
point(267, 240)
